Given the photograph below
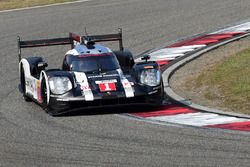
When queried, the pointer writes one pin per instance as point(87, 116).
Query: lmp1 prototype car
point(91, 75)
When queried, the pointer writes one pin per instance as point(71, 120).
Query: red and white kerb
point(184, 115)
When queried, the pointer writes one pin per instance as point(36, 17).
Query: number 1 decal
point(107, 87)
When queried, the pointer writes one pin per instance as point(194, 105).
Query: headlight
point(59, 85)
point(150, 77)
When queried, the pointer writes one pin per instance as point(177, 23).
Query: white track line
point(43, 6)
point(198, 119)
point(238, 28)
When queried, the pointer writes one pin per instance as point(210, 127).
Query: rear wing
point(71, 40)
point(104, 38)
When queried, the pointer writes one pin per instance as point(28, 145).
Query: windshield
point(95, 63)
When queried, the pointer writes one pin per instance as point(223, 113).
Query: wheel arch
point(125, 59)
point(26, 67)
point(44, 76)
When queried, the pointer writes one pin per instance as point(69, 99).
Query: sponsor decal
point(128, 89)
point(95, 76)
point(99, 54)
point(38, 87)
point(106, 81)
point(82, 80)
point(103, 75)
point(126, 84)
point(29, 84)
point(111, 75)
point(85, 87)
point(148, 67)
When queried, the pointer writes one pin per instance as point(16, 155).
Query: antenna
point(85, 30)
point(86, 38)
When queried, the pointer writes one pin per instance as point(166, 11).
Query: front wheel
point(45, 102)
point(162, 94)
point(23, 85)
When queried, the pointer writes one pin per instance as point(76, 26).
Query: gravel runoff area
point(183, 77)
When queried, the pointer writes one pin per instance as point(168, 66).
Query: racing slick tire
point(45, 105)
point(22, 85)
point(164, 97)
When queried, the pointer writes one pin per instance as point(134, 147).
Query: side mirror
point(145, 57)
point(42, 65)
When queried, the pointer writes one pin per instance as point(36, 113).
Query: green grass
point(230, 81)
point(13, 4)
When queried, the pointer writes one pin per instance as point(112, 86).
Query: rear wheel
point(22, 85)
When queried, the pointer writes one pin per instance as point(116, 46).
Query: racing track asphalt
point(29, 137)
